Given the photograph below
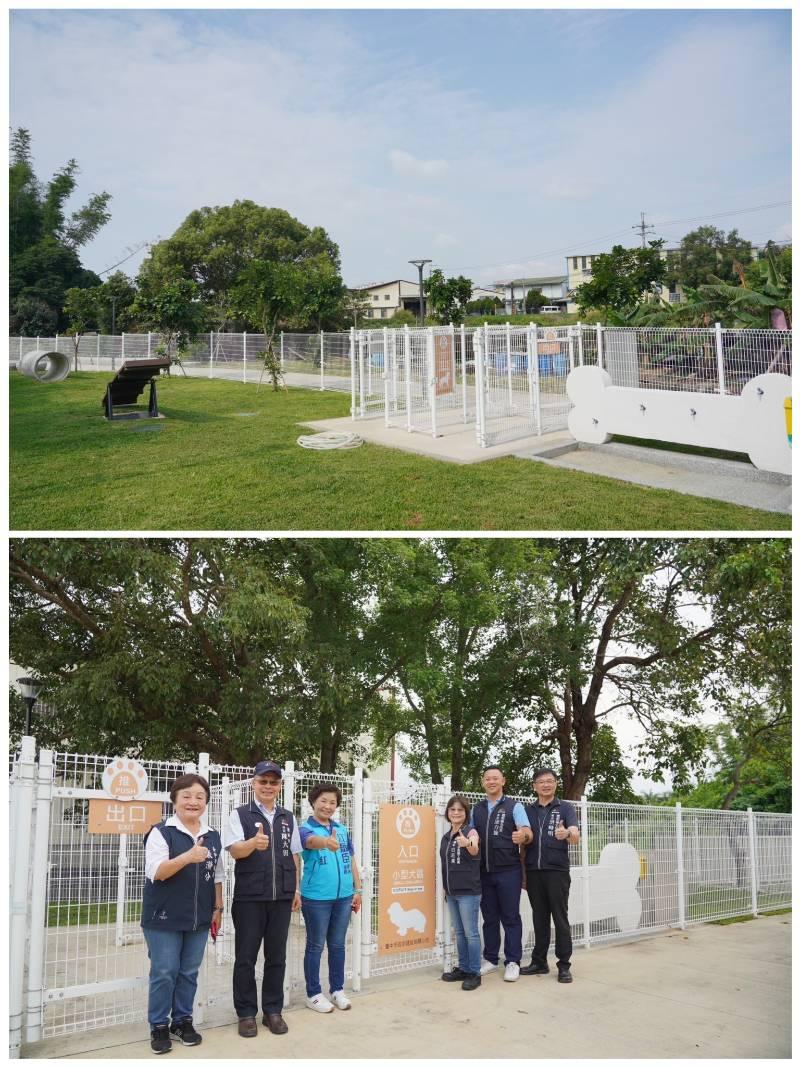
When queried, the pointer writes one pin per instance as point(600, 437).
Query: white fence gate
point(78, 960)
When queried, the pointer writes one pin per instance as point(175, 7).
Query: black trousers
point(257, 923)
point(548, 892)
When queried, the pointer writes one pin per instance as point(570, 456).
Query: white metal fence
point(509, 382)
point(316, 361)
point(79, 962)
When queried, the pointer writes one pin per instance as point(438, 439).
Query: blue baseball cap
point(266, 766)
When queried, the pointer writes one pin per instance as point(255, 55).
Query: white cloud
point(405, 163)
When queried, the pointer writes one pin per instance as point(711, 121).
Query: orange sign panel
point(549, 348)
point(445, 364)
point(116, 817)
point(406, 879)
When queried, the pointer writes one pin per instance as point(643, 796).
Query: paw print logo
point(125, 779)
point(407, 822)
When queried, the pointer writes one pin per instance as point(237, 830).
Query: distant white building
point(514, 291)
point(387, 298)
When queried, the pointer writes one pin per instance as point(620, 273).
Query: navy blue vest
point(498, 851)
point(546, 852)
point(186, 900)
point(461, 873)
point(269, 874)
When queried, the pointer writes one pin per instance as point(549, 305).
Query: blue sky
point(490, 142)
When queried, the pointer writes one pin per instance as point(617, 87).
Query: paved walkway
point(706, 992)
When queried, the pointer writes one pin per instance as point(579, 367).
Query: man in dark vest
point(555, 827)
point(264, 840)
point(502, 826)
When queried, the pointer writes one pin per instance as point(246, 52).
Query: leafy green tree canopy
point(448, 297)
point(621, 278)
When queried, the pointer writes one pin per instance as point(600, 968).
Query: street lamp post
point(419, 264)
point(29, 687)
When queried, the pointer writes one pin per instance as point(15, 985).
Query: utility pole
point(642, 228)
point(512, 297)
point(419, 264)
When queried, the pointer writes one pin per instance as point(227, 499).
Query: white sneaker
point(319, 1003)
point(340, 1000)
point(512, 972)
point(487, 967)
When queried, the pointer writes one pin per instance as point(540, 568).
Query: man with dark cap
point(263, 839)
point(555, 826)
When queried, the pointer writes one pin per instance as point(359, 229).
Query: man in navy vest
point(547, 878)
point(502, 826)
point(264, 840)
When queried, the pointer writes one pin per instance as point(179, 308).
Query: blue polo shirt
point(327, 875)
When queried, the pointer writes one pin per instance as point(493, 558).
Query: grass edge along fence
point(77, 956)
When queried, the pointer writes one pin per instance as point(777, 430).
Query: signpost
point(407, 879)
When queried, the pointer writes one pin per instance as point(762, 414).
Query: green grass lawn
point(204, 468)
point(74, 914)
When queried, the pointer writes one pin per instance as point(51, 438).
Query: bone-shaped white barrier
point(753, 422)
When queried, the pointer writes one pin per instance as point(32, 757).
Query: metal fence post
point(225, 805)
point(751, 834)
point(352, 372)
point(443, 924)
point(362, 344)
point(537, 382)
point(97, 357)
point(211, 354)
point(149, 339)
point(385, 332)
point(480, 409)
point(720, 357)
point(288, 801)
point(281, 349)
point(358, 833)
point(463, 333)
point(580, 344)
point(122, 877)
point(22, 791)
point(679, 866)
point(368, 879)
point(244, 356)
point(432, 379)
point(38, 925)
point(407, 365)
point(322, 361)
point(587, 914)
point(599, 332)
point(122, 349)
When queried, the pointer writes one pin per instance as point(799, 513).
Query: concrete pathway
point(716, 479)
point(457, 443)
point(706, 992)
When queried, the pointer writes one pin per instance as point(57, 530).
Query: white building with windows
point(513, 292)
point(385, 299)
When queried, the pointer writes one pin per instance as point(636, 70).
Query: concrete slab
point(715, 479)
point(456, 444)
point(705, 992)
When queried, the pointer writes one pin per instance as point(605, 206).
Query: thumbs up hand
point(561, 832)
point(198, 853)
point(261, 840)
point(332, 843)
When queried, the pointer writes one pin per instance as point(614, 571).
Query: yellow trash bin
point(787, 411)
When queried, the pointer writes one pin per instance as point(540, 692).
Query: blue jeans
point(175, 958)
point(326, 921)
point(464, 912)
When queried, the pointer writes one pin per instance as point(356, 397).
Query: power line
point(144, 244)
point(616, 233)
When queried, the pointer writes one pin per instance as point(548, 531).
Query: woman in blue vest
point(461, 876)
point(330, 892)
point(182, 901)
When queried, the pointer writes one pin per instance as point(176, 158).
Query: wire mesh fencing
point(78, 957)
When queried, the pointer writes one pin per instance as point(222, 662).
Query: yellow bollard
point(787, 411)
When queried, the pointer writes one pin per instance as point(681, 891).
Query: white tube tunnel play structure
point(44, 366)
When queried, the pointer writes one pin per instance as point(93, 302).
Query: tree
point(174, 310)
point(622, 278)
point(80, 308)
point(355, 305)
point(242, 648)
point(487, 305)
point(115, 300)
point(707, 253)
point(534, 299)
point(448, 297)
point(44, 239)
point(215, 247)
